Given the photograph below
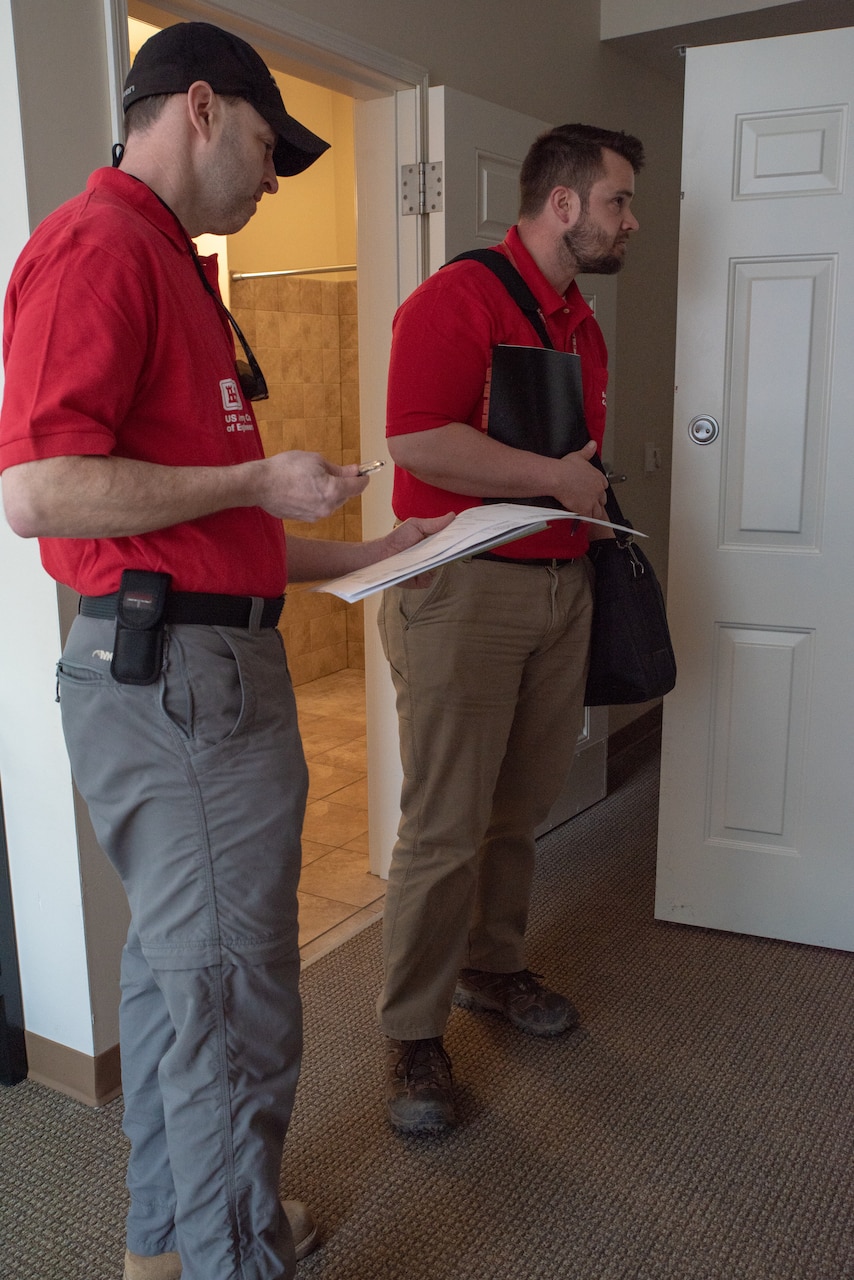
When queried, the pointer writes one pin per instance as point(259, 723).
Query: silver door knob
point(703, 429)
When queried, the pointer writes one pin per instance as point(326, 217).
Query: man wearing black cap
point(189, 51)
point(129, 448)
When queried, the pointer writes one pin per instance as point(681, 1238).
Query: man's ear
point(202, 107)
point(565, 205)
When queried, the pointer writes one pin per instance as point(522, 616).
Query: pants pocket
point(203, 687)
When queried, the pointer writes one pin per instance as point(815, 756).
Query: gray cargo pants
point(196, 787)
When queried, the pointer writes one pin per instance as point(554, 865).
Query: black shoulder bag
point(631, 654)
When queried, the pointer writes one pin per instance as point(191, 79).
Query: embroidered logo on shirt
point(230, 394)
point(236, 417)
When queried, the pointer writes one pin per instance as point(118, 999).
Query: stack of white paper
point(477, 529)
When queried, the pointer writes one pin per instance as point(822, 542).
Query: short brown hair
point(571, 156)
point(142, 114)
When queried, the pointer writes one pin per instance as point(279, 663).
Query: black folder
point(536, 402)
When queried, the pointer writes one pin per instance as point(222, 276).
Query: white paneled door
point(757, 799)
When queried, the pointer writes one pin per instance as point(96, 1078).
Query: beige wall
point(545, 60)
point(626, 17)
point(312, 220)
point(303, 331)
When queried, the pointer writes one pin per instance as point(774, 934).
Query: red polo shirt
point(113, 346)
point(443, 336)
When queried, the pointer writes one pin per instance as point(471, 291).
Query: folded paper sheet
point(472, 531)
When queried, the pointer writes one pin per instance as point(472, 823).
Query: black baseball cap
point(176, 57)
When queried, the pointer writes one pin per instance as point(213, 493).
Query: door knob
point(703, 429)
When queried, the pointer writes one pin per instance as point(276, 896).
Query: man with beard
point(490, 661)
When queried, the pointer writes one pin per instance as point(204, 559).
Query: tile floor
point(337, 894)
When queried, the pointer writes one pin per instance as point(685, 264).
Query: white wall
point(68, 984)
point(38, 807)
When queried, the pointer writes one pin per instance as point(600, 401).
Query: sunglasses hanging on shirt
point(252, 381)
point(249, 375)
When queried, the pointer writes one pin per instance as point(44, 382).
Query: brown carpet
point(698, 1127)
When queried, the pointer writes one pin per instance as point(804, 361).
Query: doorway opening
point(289, 277)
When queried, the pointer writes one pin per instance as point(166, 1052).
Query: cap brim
point(297, 147)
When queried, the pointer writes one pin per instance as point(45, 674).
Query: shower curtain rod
point(300, 271)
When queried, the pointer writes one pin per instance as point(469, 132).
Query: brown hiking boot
point(167, 1266)
point(162, 1266)
point(419, 1087)
point(518, 997)
point(304, 1229)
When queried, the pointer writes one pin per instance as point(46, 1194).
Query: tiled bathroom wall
point(303, 331)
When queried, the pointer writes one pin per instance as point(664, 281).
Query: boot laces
point(528, 981)
point(418, 1063)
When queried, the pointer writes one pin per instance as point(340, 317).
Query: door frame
point(302, 47)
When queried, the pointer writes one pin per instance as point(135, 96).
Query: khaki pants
point(489, 664)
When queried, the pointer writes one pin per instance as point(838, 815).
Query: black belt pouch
point(138, 646)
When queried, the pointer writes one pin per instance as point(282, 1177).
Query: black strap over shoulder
point(503, 268)
point(514, 284)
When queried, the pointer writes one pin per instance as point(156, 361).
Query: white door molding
point(336, 59)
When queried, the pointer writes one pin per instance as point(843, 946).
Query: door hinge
point(421, 188)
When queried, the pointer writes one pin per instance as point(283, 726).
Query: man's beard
point(589, 251)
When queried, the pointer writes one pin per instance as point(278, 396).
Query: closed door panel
point(757, 809)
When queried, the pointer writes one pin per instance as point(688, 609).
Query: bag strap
point(514, 284)
point(519, 291)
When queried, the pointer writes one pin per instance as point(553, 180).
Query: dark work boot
point(520, 998)
point(419, 1087)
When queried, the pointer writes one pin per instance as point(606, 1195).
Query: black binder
point(536, 402)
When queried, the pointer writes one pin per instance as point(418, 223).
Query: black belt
point(201, 608)
point(552, 563)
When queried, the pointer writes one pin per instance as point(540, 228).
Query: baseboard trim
point(93, 1080)
point(636, 731)
point(632, 745)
